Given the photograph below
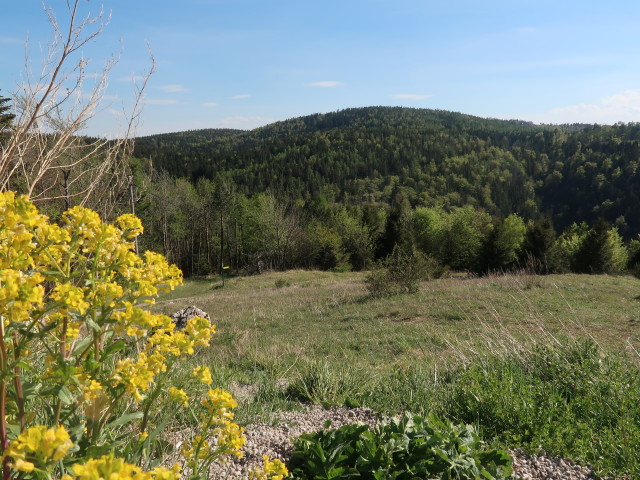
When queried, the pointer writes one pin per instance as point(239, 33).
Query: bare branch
point(44, 155)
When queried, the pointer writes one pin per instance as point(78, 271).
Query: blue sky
point(246, 63)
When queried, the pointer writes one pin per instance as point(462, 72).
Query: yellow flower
point(91, 390)
point(38, 445)
point(71, 297)
point(219, 403)
point(230, 437)
point(109, 467)
point(20, 293)
point(271, 470)
point(130, 225)
point(179, 396)
point(23, 466)
point(203, 374)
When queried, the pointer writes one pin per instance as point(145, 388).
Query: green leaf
point(94, 326)
point(124, 419)
point(115, 347)
point(65, 395)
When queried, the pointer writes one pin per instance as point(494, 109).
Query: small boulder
point(181, 317)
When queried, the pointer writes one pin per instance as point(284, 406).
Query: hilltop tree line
point(354, 157)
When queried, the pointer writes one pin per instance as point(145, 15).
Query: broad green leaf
point(124, 419)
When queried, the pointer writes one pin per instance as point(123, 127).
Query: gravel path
point(275, 441)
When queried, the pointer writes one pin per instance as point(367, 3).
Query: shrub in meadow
point(401, 272)
point(85, 364)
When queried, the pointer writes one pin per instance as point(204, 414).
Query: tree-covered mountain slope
point(433, 157)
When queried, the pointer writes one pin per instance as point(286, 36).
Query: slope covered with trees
point(575, 173)
point(347, 187)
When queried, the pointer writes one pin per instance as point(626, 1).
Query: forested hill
point(432, 157)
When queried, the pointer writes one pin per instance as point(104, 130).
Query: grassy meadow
point(535, 362)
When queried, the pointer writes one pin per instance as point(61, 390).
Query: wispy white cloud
point(622, 107)
point(161, 102)
point(245, 122)
point(325, 84)
point(240, 97)
point(173, 88)
point(210, 104)
point(410, 96)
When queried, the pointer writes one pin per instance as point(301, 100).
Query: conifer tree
point(537, 245)
point(601, 251)
point(6, 119)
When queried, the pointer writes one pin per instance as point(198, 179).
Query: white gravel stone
point(276, 441)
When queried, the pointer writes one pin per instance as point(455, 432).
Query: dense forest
point(344, 189)
point(436, 158)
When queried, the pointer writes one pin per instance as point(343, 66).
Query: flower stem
point(4, 439)
point(18, 383)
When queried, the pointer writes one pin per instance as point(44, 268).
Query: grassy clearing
point(531, 361)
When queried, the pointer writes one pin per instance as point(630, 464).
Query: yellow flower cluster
point(70, 298)
point(38, 446)
point(130, 225)
point(178, 395)
point(203, 447)
point(109, 467)
point(230, 437)
point(79, 288)
point(203, 374)
point(218, 419)
point(91, 389)
point(271, 470)
point(219, 404)
point(19, 217)
point(137, 375)
point(20, 292)
point(165, 341)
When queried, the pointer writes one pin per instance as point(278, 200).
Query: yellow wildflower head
point(271, 470)
point(38, 446)
point(203, 374)
point(112, 468)
point(130, 225)
point(70, 297)
point(178, 395)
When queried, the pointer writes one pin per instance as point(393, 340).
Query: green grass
point(530, 361)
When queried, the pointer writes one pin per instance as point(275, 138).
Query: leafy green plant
point(405, 448)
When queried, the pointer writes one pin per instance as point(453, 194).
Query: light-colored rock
point(181, 317)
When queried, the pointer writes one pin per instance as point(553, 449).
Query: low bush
point(403, 449)
point(401, 272)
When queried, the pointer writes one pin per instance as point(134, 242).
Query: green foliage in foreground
point(405, 448)
point(571, 401)
point(503, 353)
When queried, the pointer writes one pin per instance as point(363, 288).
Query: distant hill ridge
point(433, 157)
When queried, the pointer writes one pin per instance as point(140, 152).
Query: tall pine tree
point(6, 119)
